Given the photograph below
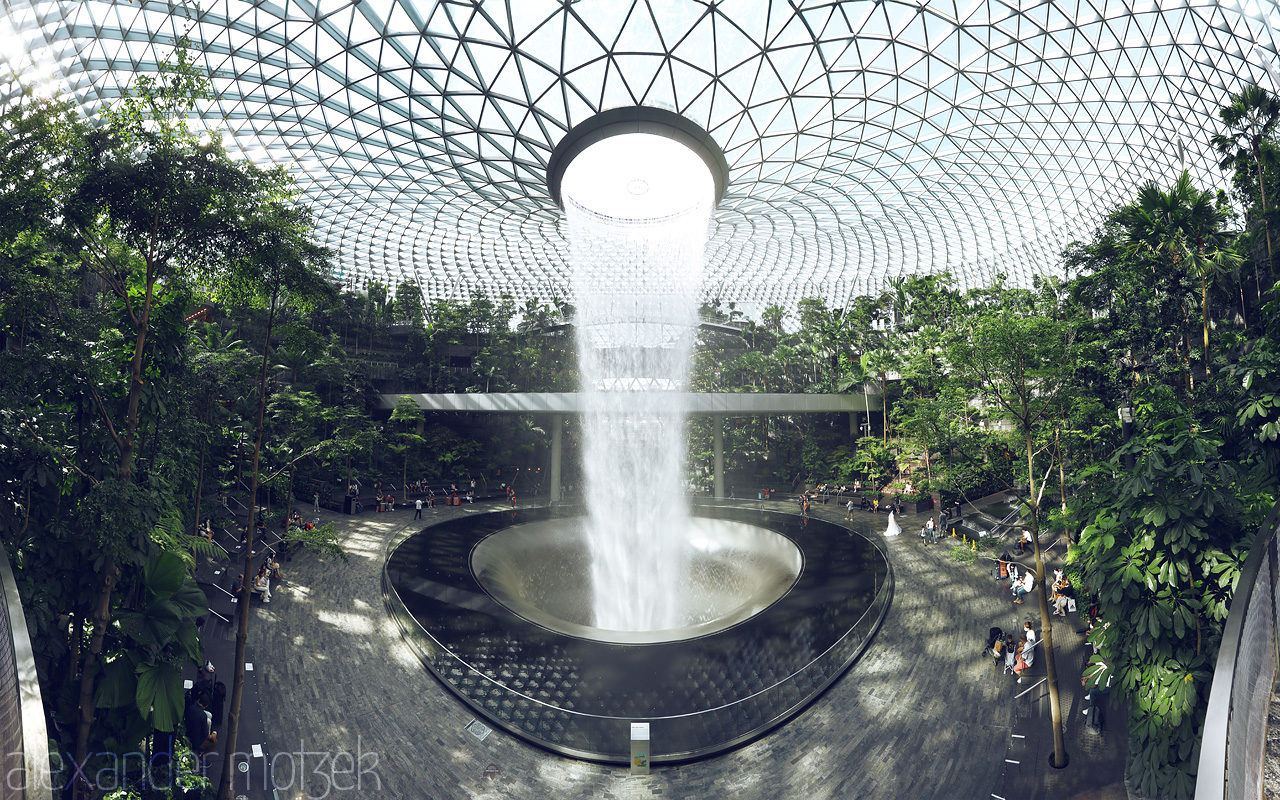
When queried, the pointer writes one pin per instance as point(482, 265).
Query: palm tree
point(1184, 226)
point(897, 299)
point(294, 360)
point(1251, 116)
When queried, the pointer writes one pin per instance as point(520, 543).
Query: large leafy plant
point(157, 634)
point(1162, 551)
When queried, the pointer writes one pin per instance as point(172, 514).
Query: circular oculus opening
point(625, 120)
point(637, 177)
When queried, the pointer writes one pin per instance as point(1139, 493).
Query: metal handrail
point(1217, 721)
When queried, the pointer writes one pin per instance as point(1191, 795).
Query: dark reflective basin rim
point(522, 565)
point(577, 697)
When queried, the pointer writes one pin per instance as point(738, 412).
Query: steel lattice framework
point(864, 139)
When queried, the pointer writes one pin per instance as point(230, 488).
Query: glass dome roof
point(864, 139)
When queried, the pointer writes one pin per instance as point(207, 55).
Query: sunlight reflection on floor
point(359, 624)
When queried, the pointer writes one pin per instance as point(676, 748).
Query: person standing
point(316, 506)
point(848, 509)
point(931, 531)
point(417, 504)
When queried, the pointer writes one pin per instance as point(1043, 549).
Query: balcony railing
point(1235, 725)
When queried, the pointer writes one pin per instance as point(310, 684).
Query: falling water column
point(637, 232)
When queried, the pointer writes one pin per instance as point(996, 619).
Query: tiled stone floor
point(921, 715)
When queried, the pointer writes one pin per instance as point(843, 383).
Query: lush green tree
point(1015, 364)
point(217, 358)
point(873, 461)
point(1251, 119)
point(155, 209)
point(1161, 552)
point(145, 677)
point(281, 263)
point(406, 417)
point(1186, 229)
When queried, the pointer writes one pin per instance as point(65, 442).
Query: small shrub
point(963, 555)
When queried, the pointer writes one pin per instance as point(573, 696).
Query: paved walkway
point(921, 715)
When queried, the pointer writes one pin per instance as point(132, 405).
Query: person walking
point(848, 510)
point(417, 505)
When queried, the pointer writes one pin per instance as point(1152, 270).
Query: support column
point(717, 433)
point(553, 484)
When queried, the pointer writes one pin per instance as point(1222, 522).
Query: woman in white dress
point(893, 529)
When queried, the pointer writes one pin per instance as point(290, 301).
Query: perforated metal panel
point(1251, 695)
point(11, 742)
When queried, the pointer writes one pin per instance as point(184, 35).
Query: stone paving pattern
point(922, 714)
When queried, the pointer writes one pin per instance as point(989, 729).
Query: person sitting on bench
point(1026, 657)
point(1063, 595)
point(1027, 584)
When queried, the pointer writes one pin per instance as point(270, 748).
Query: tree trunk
point(73, 647)
point(1046, 621)
point(107, 576)
point(1266, 225)
point(1204, 317)
point(246, 588)
point(1062, 475)
point(88, 673)
point(204, 443)
point(884, 406)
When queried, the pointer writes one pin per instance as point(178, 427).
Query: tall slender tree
point(156, 206)
point(1251, 119)
point(1015, 362)
point(1186, 229)
point(280, 261)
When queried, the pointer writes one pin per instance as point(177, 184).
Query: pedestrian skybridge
point(718, 405)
